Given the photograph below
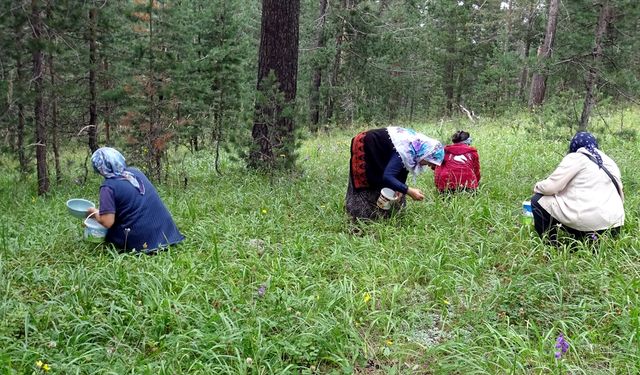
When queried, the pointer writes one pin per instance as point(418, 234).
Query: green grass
point(451, 285)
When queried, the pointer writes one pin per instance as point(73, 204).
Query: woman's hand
point(92, 211)
point(416, 194)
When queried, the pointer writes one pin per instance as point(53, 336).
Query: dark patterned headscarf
point(588, 141)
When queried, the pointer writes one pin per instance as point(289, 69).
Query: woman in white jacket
point(584, 193)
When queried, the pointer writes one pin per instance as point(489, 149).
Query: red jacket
point(460, 168)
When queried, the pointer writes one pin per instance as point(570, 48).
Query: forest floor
point(273, 278)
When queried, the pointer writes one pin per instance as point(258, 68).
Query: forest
point(149, 75)
point(241, 114)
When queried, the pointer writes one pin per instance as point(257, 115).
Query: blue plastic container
point(78, 207)
point(527, 213)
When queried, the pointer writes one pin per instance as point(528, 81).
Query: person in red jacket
point(460, 169)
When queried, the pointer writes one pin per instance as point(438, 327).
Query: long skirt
point(363, 204)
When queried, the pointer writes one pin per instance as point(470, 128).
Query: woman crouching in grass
point(460, 169)
point(383, 158)
point(130, 206)
point(584, 194)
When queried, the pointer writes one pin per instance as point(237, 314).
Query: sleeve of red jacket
point(476, 165)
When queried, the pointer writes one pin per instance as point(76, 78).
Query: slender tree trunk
point(314, 97)
point(337, 62)
point(93, 105)
point(539, 80)
point(54, 121)
point(54, 107)
point(278, 54)
point(107, 107)
point(592, 75)
point(38, 77)
point(22, 158)
point(411, 108)
point(524, 74)
point(19, 89)
point(449, 85)
point(509, 26)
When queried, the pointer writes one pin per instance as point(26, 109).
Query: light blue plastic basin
point(78, 207)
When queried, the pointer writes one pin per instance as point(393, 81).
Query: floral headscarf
point(413, 147)
point(111, 164)
point(588, 141)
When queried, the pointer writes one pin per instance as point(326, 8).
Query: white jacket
point(580, 195)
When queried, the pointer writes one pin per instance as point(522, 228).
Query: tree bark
point(314, 96)
point(22, 158)
point(93, 105)
point(278, 54)
point(19, 88)
point(592, 75)
point(41, 131)
point(54, 107)
point(524, 74)
point(54, 120)
point(337, 62)
point(106, 106)
point(539, 80)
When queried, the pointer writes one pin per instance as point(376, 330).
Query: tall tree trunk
point(449, 85)
point(54, 122)
point(314, 96)
point(278, 54)
point(19, 89)
point(539, 80)
point(22, 157)
point(54, 108)
point(337, 61)
point(93, 105)
point(592, 75)
point(38, 72)
point(449, 70)
point(524, 74)
point(106, 107)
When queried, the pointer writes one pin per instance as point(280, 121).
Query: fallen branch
point(469, 114)
point(84, 128)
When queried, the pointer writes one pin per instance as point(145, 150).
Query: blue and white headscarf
point(110, 163)
point(413, 147)
point(588, 141)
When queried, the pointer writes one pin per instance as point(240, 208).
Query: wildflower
point(562, 345)
point(264, 211)
point(389, 342)
point(262, 290)
point(46, 367)
point(366, 297)
point(249, 361)
point(39, 364)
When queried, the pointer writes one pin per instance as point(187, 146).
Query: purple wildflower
point(562, 345)
point(262, 290)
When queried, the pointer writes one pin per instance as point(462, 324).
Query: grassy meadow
point(273, 278)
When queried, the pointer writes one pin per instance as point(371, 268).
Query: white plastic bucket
point(94, 231)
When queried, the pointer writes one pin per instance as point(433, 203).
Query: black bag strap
point(615, 183)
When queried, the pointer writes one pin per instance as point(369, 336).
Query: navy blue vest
point(142, 222)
